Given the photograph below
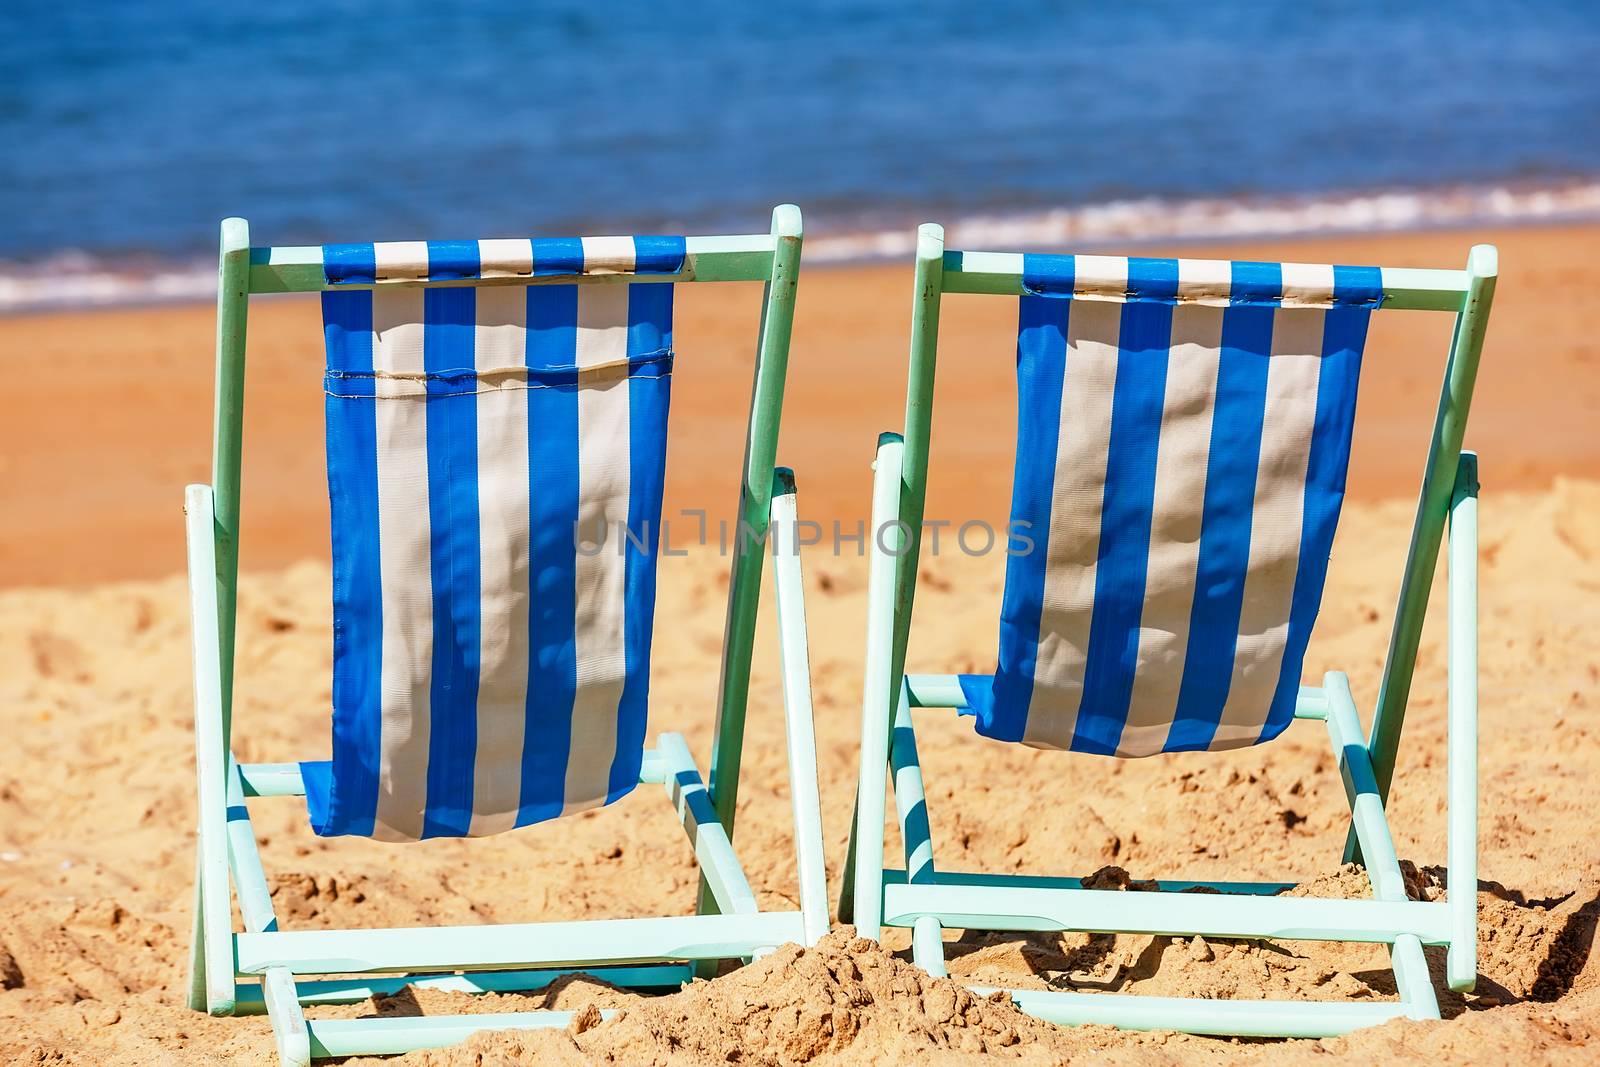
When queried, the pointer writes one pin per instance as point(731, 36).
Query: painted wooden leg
point(216, 910)
point(798, 726)
point(196, 997)
point(1461, 966)
point(847, 878)
point(927, 946)
point(288, 1020)
point(1377, 845)
point(880, 689)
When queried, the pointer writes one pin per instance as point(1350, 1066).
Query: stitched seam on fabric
point(1211, 301)
point(647, 366)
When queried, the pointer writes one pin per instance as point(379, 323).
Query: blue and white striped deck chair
point(496, 430)
point(1184, 430)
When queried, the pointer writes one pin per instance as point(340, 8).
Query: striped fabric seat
point(1183, 436)
point(495, 463)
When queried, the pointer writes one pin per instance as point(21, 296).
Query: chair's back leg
point(195, 999)
point(755, 511)
point(233, 304)
point(925, 307)
point(1461, 966)
point(1438, 481)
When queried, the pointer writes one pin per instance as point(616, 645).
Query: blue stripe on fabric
point(552, 564)
point(1002, 713)
point(452, 260)
point(464, 380)
point(350, 806)
point(1235, 454)
point(1126, 508)
point(1356, 291)
point(349, 264)
point(658, 255)
point(449, 325)
point(557, 255)
point(977, 690)
point(1256, 283)
point(649, 396)
point(1048, 275)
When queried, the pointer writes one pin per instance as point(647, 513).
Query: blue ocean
point(129, 130)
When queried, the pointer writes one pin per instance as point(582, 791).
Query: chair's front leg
point(215, 926)
point(795, 661)
point(886, 541)
point(1461, 962)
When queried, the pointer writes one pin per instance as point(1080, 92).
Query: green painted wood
point(944, 691)
point(1040, 881)
point(1177, 915)
point(515, 945)
point(249, 998)
point(298, 269)
point(622, 948)
point(794, 663)
point(397, 1035)
point(216, 912)
point(910, 796)
point(1372, 831)
point(1427, 531)
point(1404, 288)
point(244, 859)
point(718, 864)
point(755, 510)
point(927, 946)
point(1221, 1018)
point(925, 307)
point(283, 779)
point(233, 305)
point(195, 992)
point(877, 694)
point(289, 1030)
point(931, 899)
point(1461, 889)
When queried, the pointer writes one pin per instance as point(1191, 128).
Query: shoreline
point(33, 283)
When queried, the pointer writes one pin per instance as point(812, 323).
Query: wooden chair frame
point(261, 968)
point(928, 900)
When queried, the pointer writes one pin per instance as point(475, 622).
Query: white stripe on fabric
point(1275, 524)
point(1177, 511)
point(603, 485)
point(1093, 332)
point(1307, 285)
point(608, 255)
point(1100, 278)
point(1205, 281)
point(395, 260)
point(505, 258)
point(500, 341)
point(404, 566)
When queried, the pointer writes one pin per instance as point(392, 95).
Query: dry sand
point(96, 799)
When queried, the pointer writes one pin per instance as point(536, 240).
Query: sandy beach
point(112, 416)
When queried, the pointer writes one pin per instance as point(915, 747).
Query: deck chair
point(1183, 436)
point(496, 423)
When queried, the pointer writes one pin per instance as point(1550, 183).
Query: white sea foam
point(80, 279)
point(1154, 219)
